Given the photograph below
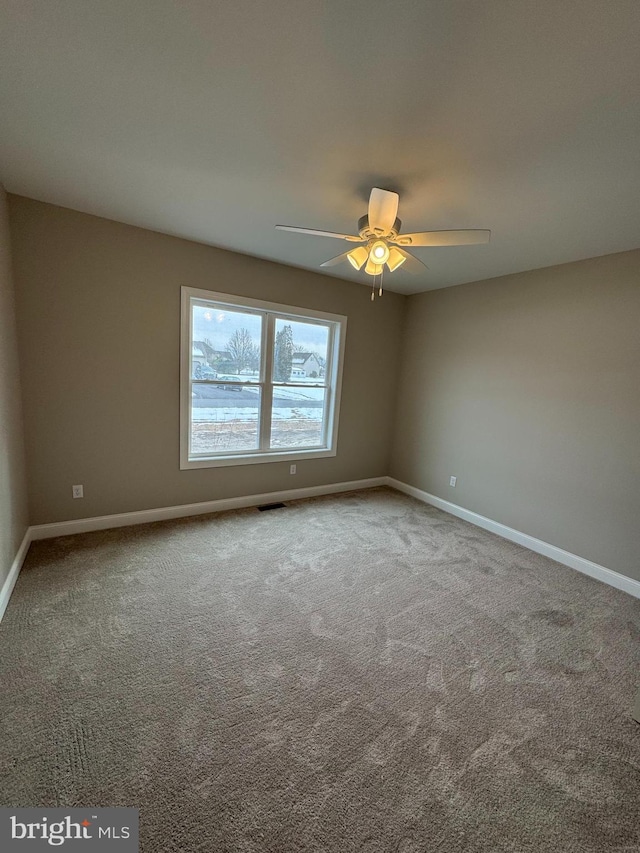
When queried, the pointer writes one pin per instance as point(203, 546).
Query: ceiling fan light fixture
point(379, 253)
point(357, 257)
point(382, 243)
point(396, 259)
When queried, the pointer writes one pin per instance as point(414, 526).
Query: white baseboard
point(14, 571)
point(594, 570)
point(125, 519)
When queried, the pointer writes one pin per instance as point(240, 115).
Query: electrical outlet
point(77, 491)
point(453, 481)
point(293, 469)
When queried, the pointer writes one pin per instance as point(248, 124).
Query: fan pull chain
point(373, 285)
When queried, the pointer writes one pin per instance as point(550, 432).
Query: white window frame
point(269, 311)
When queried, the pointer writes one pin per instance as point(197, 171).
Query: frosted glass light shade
point(373, 269)
point(379, 253)
point(396, 259)
point(357, 257)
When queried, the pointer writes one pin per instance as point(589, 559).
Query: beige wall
point(99, 323)
point(527, 388)
point(13, 490)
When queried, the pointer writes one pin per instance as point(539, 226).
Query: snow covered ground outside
point(230, 433)
point(229, 413)
point(231, 427)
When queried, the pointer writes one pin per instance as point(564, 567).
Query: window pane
point(297, 417)
point(300, 352)
point(224, 418)
point(226, 344)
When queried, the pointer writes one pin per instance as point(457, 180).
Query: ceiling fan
point(379, 230)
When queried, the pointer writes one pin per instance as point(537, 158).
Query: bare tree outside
point(209, 352)
point(244, 353)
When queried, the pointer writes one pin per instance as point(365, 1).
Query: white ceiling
point(217, 120)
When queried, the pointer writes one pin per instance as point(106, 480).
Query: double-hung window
point(260, 382)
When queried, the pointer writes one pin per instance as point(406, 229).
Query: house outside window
point(260, 382)
point(307, 364)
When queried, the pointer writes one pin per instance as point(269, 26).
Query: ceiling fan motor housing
point(368, 233)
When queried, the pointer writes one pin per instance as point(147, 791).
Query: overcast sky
point(218, 326)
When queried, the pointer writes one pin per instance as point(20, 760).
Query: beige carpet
point(352, 673)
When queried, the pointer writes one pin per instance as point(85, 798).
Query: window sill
point(255, 458)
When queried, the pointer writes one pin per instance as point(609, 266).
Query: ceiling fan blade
point(316, 233)
point(383, 210)
point(465, 237)
point(337, 260)
point(412, 264)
